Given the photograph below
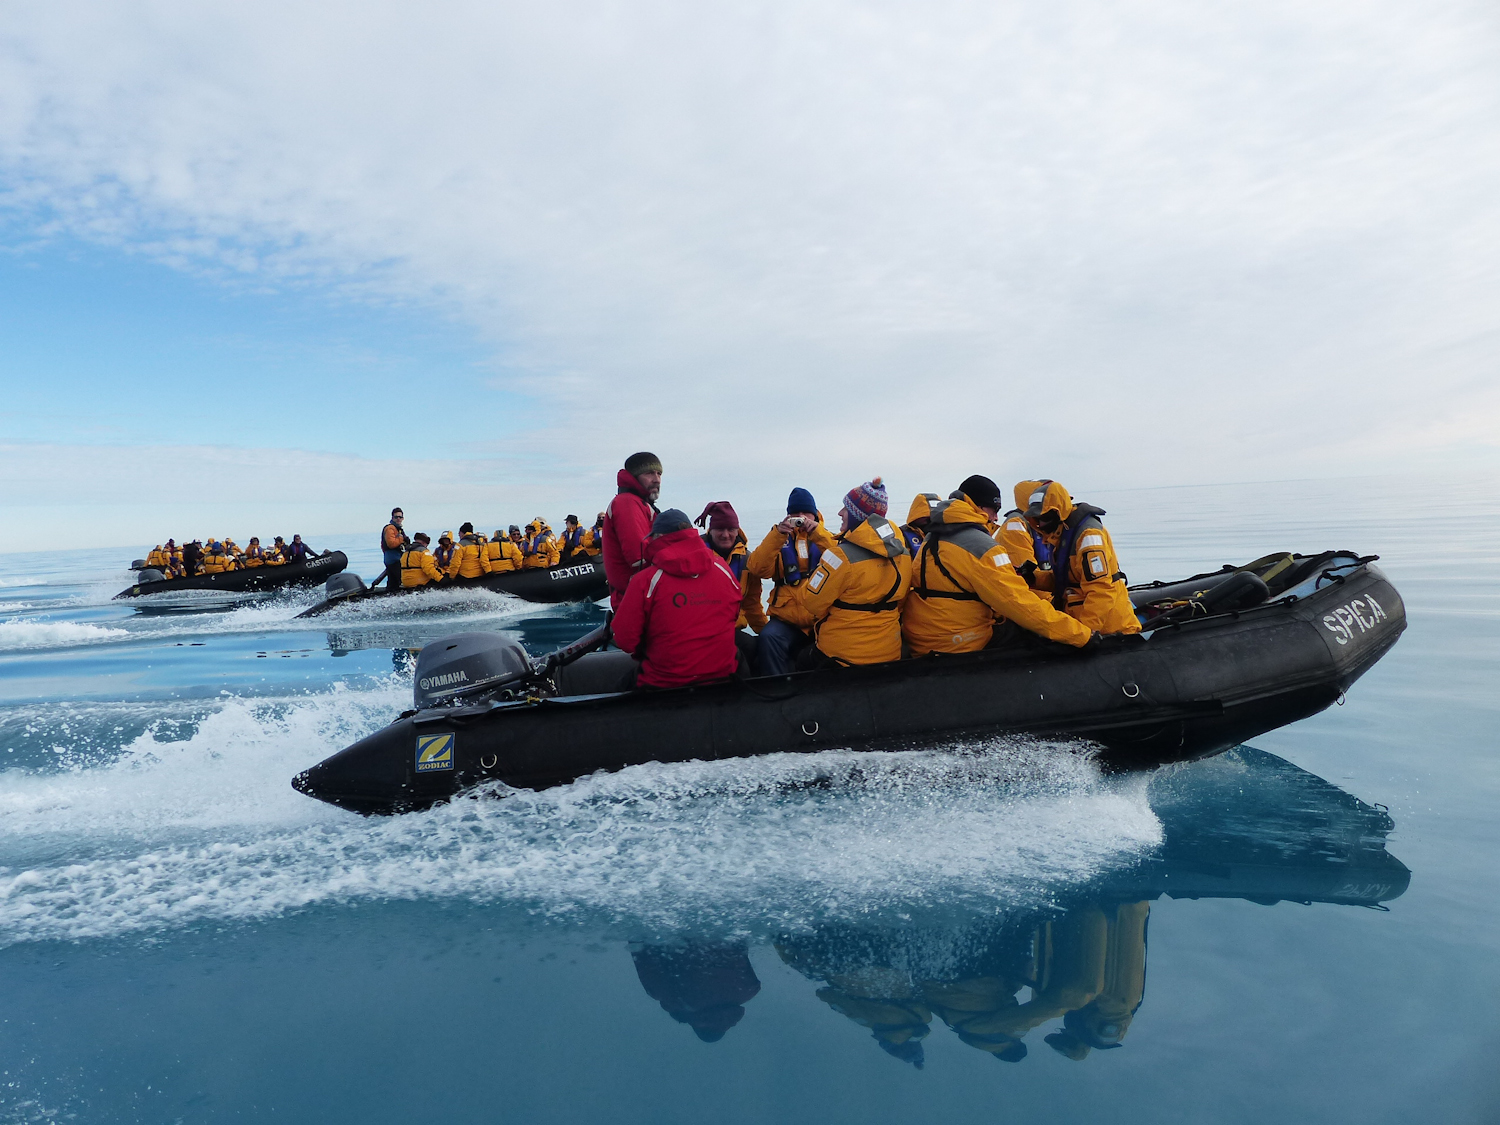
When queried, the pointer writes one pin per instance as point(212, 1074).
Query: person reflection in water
point(703, 986)
point(1087, 967)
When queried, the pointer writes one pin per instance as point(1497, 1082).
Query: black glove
point(1114, 642)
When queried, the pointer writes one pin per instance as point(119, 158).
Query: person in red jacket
point(678, 616)
point(627, 522)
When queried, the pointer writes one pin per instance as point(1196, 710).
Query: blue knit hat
point(673, 519)
point(866, 500)
point(800, 500)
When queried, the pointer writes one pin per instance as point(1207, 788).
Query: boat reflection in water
point(1246, 825)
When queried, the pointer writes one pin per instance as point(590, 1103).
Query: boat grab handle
point(814, 724)
point(488, 765)
point(1131, 690)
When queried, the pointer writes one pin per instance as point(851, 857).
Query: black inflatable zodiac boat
point(1225, 656)
point(309, 572)
point(579, 580)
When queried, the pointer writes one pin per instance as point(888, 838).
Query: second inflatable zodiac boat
point(309, 572)
point(580, 580)
point(1226, 656)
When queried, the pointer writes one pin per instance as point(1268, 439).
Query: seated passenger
point(855, 594)
point(962, 583)
point(174, 560)
point(157, 559)
point(418, 568)
point(192, 558)
point(677, 617)
point(1030, 551)
point(914, 530)
point(1088, 582)
point(232, 549)
point(726, 540)
point(215, 561)
point(502, 553)
point(540, 547)
point(571, 542)
point(254, 556)
point(788, 555)
point(444, 553)
point(469, 560)
point(593, 538)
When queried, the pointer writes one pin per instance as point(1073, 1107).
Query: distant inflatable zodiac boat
point(1225, 657)
point(580, 580)
point(309, 572)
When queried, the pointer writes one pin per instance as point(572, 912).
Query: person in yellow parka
point(855, 594)
point(593, 538)
point(962, 582)
point(918, 516)
point(232, 549)
point(215, 561)
point(418, 568)
point(445, 551)
point(540, 548)
point(470, 559)
point(1030, 551)
point(502, 554)
point(1088, 583)
point(254, 555)
point(157, 559)
point(725, 539)
point(788, 555)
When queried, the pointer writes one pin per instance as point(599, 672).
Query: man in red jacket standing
point(627, 522)
point(678, 616)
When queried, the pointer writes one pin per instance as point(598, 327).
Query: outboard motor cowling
point(466, 664)
point(148, 574)
point(138, 564)
point(343, 584)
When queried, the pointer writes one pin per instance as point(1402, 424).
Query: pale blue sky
point(471, 256)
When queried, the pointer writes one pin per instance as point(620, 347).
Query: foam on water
point(205, 828)
point(16, 634)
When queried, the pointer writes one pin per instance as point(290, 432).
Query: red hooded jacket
point(627, 523)
point(678, 616)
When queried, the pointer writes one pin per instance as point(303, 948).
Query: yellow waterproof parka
point(540, 548)
point(470, 558)
point(962, 582)
point(215, 561)
point(788, 561)
point(158, 558)
point(1087, 579)
point(1030, 551)
point(255, 556)
point(502, 554)
point(855, 594)
point(418, 567)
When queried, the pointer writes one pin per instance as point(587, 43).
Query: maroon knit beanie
point(720, 516)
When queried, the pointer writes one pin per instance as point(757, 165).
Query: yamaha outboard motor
point(148, 574)
point(138, 564)
point(468, 664)
point(343, 584)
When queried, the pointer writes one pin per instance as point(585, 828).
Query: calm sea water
point(1302, 930)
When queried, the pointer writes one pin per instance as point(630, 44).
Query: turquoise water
point(1301, 930)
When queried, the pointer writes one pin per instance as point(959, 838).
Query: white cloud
point(1143, 242)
